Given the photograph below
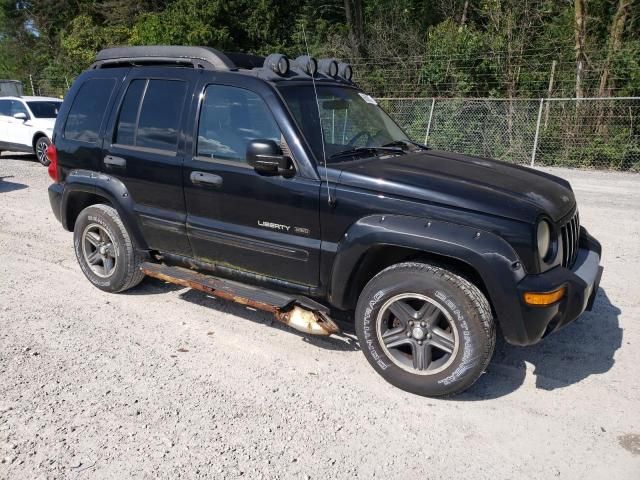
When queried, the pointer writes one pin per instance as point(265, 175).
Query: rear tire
point(425, 329)
point(105, 251)
point(40, 149)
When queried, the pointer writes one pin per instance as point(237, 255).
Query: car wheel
point(105, 250)
point(425, 329)
point(41, 150)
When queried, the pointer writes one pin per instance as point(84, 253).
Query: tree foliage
point(502, 48)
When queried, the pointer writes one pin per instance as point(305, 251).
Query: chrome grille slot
point(570, 236)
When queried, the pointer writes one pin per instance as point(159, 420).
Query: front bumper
point(581, 283)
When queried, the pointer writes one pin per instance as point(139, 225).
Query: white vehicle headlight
point(544, 239)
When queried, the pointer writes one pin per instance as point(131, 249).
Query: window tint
point(229, 119)
point(158, 121)
point(87, 110)
point(5, 108)
point(18, 107)
point(42, 109)
point(160, 115)
point(129, 113)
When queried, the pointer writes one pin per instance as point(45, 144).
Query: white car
point(26, 124)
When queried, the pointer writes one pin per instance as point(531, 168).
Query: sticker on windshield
point(367, 98)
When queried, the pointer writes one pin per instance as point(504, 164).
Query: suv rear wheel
point(105, 251)
point(425, 329)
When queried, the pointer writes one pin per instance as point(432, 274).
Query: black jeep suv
point(280, 185)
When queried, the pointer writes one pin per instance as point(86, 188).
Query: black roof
point(205, 58)
point(195, 57)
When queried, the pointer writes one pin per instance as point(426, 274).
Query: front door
point(237, 218)
point(22, 130)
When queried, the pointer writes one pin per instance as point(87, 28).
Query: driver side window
point(230, 118)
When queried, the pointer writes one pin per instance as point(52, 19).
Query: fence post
point(426, 137)
point(33, 92)
point(535, 139)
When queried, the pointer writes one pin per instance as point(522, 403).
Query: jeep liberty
point(279, 184)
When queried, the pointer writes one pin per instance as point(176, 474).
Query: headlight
point(544, 239)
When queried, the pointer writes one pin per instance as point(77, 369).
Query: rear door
point(144, 148)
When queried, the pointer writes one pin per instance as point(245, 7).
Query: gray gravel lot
point(167, 382)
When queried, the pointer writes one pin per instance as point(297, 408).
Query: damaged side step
point(301, 313)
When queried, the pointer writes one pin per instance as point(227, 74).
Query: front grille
point(570, 235)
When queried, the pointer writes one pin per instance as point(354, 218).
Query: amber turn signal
point(541, 299)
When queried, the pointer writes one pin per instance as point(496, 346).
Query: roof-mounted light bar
point(307, 64)
point(278, 63)
point(328, 66)
point(345, 71)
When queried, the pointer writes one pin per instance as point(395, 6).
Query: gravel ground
point(167, 382)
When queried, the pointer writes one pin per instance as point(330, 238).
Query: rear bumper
point(55, 199)
point(581, 283)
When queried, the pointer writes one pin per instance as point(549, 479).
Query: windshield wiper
point(400, 143)
point(357, 150)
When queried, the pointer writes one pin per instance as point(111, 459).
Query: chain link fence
point(601, 133)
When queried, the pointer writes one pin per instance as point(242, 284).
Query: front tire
point(105, 251)
point(425, 329)
point(40, 149)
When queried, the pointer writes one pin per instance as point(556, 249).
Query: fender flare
point(105, 186)
point(495, 261)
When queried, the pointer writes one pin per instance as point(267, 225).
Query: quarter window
point(156, 123)
point(88, 108)
point(229, 119)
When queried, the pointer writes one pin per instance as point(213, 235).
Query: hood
point(464, 182)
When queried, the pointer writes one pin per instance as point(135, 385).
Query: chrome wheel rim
point(98, 250)
point(417, 333)
point(41, 151)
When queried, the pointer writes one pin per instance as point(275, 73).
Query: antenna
point(315, 93)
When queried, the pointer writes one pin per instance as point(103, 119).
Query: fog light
point(541, 299)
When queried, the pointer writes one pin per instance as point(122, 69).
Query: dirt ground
point(166, 382)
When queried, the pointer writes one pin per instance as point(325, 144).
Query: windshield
point(42, 109)
point(350, 119)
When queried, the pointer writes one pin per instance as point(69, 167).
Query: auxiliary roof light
point(278, 63)
point(307, 64)
point(345, 71)
point(328, 66)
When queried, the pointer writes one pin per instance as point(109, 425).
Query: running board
point(301, 313)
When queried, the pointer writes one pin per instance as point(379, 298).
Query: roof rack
point(194, 57)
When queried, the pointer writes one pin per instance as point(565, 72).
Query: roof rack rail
point(194, 57)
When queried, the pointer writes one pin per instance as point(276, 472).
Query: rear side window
point(88, 108)
point(154, 124)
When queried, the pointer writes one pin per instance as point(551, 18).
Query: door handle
point(115, 161)
point(206, 178)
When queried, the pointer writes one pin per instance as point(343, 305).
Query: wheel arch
point(83, 189)
point(378, 241)
point(36, 136)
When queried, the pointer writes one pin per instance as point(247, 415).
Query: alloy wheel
point(98, 250)
point(417, 333)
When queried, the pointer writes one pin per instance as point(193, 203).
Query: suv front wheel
point(105, 250)
point(40, 149)
point(425, 329)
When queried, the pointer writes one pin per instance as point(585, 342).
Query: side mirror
point(266, 158)
point(20, 116)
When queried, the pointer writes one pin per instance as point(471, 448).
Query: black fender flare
point(108, 187)
point(495, 261)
